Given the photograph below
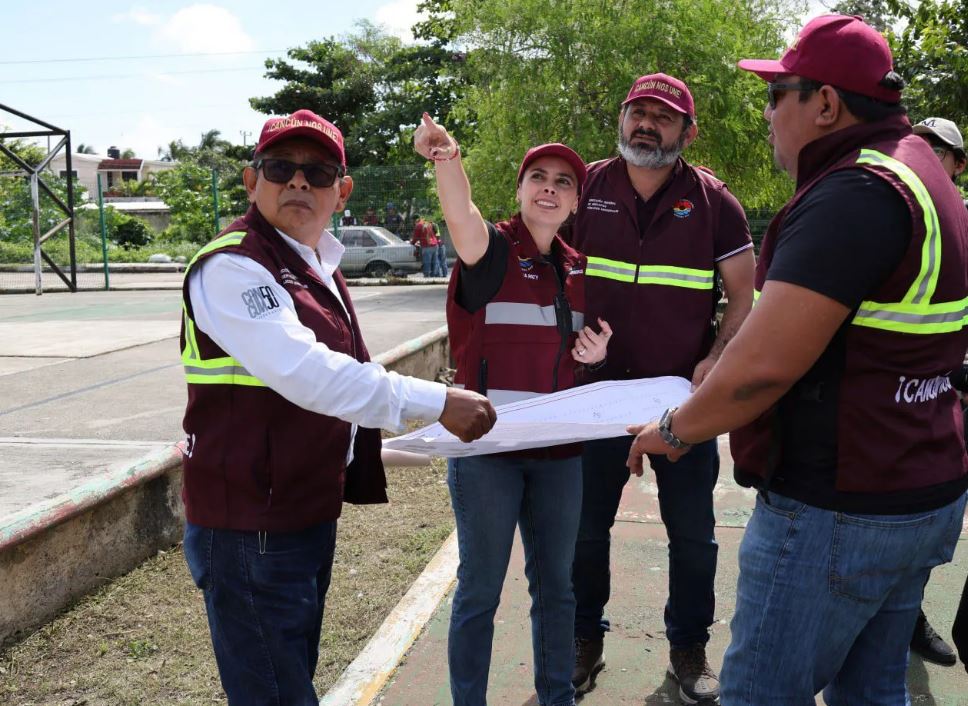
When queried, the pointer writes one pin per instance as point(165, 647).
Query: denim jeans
point(686, 507)
point(428, 259)
point(264, 596)
point(490, 495)
point(827, 601)
point(440, 261)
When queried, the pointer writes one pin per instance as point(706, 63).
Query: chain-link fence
point(139, 229)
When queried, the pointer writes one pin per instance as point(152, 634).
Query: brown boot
point(698, 683)
point(589, 661)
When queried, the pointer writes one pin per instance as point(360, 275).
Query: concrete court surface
point(93, 379)
point(636, 651)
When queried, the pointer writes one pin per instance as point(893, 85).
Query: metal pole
point(215, 199)
point(104, 234)
point(70, 214)
point(35, 203)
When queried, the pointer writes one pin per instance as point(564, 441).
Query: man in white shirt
point(283, 414)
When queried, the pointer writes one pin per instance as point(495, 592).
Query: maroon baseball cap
point(555, 149)
point(303, 123)
point(837, 50)
point(662, 87)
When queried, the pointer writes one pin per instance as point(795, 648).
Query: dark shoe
point(589, 661)
point(698, 683)
point(927, 643)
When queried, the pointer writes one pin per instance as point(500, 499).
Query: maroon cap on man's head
point(662, 87)
point(837, 50)
point(303, 123)
point(555, 149)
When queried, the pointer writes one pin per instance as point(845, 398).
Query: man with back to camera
point(656, 231)
point(837, 385)
point(283, 414)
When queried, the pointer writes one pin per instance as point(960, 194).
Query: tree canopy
point(370, 85)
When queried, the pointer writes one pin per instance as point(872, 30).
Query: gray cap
point(944, 130)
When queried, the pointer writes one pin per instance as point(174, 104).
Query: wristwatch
point(665, 431)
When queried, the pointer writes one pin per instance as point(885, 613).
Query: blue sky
point(144, 103)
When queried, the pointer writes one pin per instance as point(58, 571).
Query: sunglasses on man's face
point(280, 171)
point(772, 89)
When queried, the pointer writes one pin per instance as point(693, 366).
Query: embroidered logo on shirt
point(602, 205)
point(526, 263)
point(682, 208)
point(916, 390)
point(260, 301)
point(289, 279)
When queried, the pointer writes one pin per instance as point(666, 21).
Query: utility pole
point(245, 134)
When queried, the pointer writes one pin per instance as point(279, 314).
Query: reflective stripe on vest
point(914, 313)
point(518, 314)
point(213, 371)
point(667, 275)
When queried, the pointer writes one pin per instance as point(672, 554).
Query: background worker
point(949, 146)
point(283, 416)
point(657, 231)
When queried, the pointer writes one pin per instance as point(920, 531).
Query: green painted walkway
point(636, 650)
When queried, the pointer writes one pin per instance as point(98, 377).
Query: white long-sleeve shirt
point(274, 346)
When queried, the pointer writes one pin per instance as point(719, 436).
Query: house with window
point(113, 170)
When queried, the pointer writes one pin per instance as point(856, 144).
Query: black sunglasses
point(772, 88)
point(280, 171)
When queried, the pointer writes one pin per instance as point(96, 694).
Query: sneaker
point(698, 683)
point(927, 643)
point(589, 661)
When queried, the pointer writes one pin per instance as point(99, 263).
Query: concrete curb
point(56, 551)
point(361, 682)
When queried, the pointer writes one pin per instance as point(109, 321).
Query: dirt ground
point(143, 639)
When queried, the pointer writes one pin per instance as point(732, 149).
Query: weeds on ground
point(143, 638)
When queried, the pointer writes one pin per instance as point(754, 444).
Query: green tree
point(542, 72)
point(128, 153)
point(930, 48)
point(370, 85)
point(187, 189)
point(83, 148)
point(16, 206)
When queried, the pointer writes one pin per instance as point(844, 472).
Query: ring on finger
point(581, 351)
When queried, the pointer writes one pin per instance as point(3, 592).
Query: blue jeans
point(264, 596)
point(428, 259)
point(440, 261)
point(490, 495)
point(828, 600)
point(686, 507)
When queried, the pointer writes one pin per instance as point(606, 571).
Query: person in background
point(393, 222)
point(370, 218)
point(425, 240)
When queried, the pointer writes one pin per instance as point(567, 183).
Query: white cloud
point(144, 135)
point(206, 29)
point(398, 17)
point(139, 16)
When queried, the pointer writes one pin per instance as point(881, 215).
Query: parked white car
point(375, 252)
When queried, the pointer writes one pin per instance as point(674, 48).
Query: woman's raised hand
point(433, 142)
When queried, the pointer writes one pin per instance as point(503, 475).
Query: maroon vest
point(257, 461)
point(899, 425)
point(638, 284)
point(513, 348)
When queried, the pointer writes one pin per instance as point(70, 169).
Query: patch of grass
point(143, 639)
